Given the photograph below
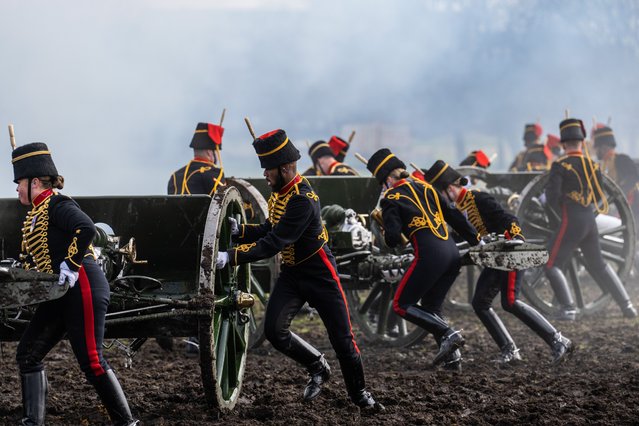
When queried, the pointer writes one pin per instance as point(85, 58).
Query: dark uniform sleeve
point(171, 187)
point(490, 208)
point(67, 216)
point(392, 222)
point(460, 224)
point(553, 187)
point(252, 232)
point(288, 230)
point(627, 173)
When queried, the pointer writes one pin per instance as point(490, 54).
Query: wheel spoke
point(372, 296)
point(221, 347)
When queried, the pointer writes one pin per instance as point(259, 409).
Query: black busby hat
point(207, 136)
point(274, 149)
point(532, 132)
point(339, 147)
point(476, 159)
point(382, 163)
point(440, 175)
point(572, 129)
point(604, 136)
point(319, 149)
point(32, 160)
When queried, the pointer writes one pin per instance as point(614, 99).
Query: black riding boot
point(562, 347)
point(353, 372)
point(559, 285)
point(610, 280)
point(452, 362)
point(317, 367)
point(320, 372)
point(113, 399)
point(534, 320)
point(500, 335)
point(34, 397)
point(450, 339)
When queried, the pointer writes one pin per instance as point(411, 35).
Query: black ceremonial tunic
point(572, 190)
point(56, 231)
point(414, 208)
point(199, 176)
point(309, 274)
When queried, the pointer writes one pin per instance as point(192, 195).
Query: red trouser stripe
point(560, 236)
point(402, 283)
point(510, 290)
point(89, 327)
point(329, 265)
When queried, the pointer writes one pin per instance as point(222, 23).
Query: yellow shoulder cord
point(217, 181)
point(578, 198)
point(174, 184)
point(439, 213)
point(184, 179)
point(604, 201)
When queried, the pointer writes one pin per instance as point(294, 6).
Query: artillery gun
point(174, 291)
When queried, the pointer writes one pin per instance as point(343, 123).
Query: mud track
point(599, 384)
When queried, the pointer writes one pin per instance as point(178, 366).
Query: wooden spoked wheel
point(224, 335)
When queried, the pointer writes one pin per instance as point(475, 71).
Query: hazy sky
point(115, 88)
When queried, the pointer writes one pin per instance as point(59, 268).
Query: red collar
point(43, 196)
point(332, 166)
point(203, 160)
point(286, 188)
point(461, 195)
point(399, 182)
point(577, 153)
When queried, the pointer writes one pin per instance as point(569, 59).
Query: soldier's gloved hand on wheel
point(222, 260)
point(67, 275)
point(235, 229)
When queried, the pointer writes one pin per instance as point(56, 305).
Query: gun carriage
point(158, 254)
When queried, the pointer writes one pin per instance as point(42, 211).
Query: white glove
point(542, 199)
point(222, 260)
point(67, 275)
point(235, 229)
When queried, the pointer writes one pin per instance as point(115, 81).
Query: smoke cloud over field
point(116, 88)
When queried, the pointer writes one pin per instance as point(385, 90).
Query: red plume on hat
point(339, 147)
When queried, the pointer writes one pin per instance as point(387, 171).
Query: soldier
point(533, 157)
point(324, 161)
point(56, 239)
point(309, 273)
point(619, 167)
point(202, 175)
point(487, 216)
point(574, 190)
point(413, 208)
point(476, 159)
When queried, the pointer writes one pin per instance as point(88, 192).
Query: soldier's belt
point(501, 255)
point(21, 288)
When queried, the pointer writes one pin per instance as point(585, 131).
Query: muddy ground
point(599, 384)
